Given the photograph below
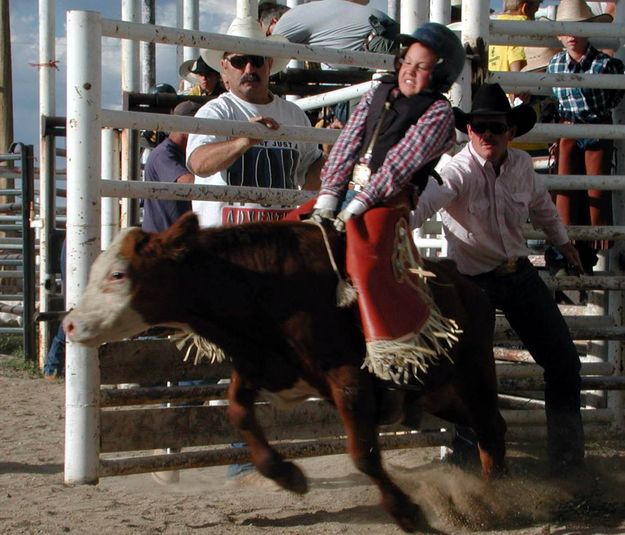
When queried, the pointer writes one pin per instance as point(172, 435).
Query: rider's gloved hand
point(341, 219)
point(319, 215)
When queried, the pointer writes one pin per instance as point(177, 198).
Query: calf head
point(132, 285)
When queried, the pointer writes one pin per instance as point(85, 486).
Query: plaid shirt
point(432, 135)
point(584, 104)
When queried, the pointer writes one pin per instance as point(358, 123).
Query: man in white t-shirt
point(243, 161)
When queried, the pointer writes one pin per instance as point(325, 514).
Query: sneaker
point(53, 378)
point(169, 477)
point(238, 470)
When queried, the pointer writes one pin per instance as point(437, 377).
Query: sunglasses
point(493, 127)
point(239, 62)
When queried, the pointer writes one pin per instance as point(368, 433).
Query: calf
point(266, 295)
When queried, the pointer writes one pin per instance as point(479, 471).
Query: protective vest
point(403, 113)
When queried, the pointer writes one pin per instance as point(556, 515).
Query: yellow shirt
point(501, 56)
point(499, 59)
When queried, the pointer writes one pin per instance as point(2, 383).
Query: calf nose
point(69, 327)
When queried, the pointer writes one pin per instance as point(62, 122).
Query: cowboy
point(244, 161)
point(488, 192)
point(578, 105)
point(204, 80)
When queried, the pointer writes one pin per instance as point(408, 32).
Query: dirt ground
point(34, 500)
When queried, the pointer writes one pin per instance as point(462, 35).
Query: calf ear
point(134, 242)
point(181, 235)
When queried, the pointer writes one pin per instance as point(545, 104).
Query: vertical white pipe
point(247, 8)
point(148, 50)
point(179, 24)
point(475, 21)
point(440, 11)
point(191, 21)
point(84, 104)
point(110, 171)
point(414, 13)
point(47, 193)
point(293, 64)
point(393, 9)
point(131, 81)
point(616, 398)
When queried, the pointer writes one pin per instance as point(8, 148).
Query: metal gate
point(17, 246)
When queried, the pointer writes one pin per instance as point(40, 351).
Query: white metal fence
point(86, 119)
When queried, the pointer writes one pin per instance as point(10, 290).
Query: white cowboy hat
point(578, 11)
point(189, 70)
point(538, 57)
point(250, 28)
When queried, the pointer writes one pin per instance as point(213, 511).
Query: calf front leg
point(352, 393)
point(267, 461)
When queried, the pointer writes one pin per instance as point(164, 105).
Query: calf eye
point(117, 275)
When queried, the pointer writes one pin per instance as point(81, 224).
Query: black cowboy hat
point(490, 99)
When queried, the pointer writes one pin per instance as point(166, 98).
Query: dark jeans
point(533, 314)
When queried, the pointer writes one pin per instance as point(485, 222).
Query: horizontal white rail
point(551, 132)
point(593, 80)
point(580, 182)
point(580, 232)
point(332, 97)
point(537, 416)
point(544, 41)
point(551, 28)
point(204, 192)
point(215, 41)
point(510, 370)
point(167, 123)
point(605, 81)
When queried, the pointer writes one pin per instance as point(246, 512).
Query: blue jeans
point(55, 359)
point(235, 470)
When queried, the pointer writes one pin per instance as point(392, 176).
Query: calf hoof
point(408, 517)
point(292, 478)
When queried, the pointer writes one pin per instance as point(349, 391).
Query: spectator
point(243, 161)
point(383, 158)
point(584, 106)
point(489, 190)
point(54, 366)
point(544, 106)
point(512, 58)
point(204, 81)
point(333, 24)
point(166, 163)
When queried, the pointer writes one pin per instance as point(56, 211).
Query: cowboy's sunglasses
point(239, 62)
point(493, 127)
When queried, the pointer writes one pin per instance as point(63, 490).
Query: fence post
point(84, 105)
point(47, 159)
point(110, 171)
point(28, 252)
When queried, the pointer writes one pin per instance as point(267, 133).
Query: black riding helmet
point(446, 45)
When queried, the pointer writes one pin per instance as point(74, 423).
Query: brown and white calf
point(266, 294)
